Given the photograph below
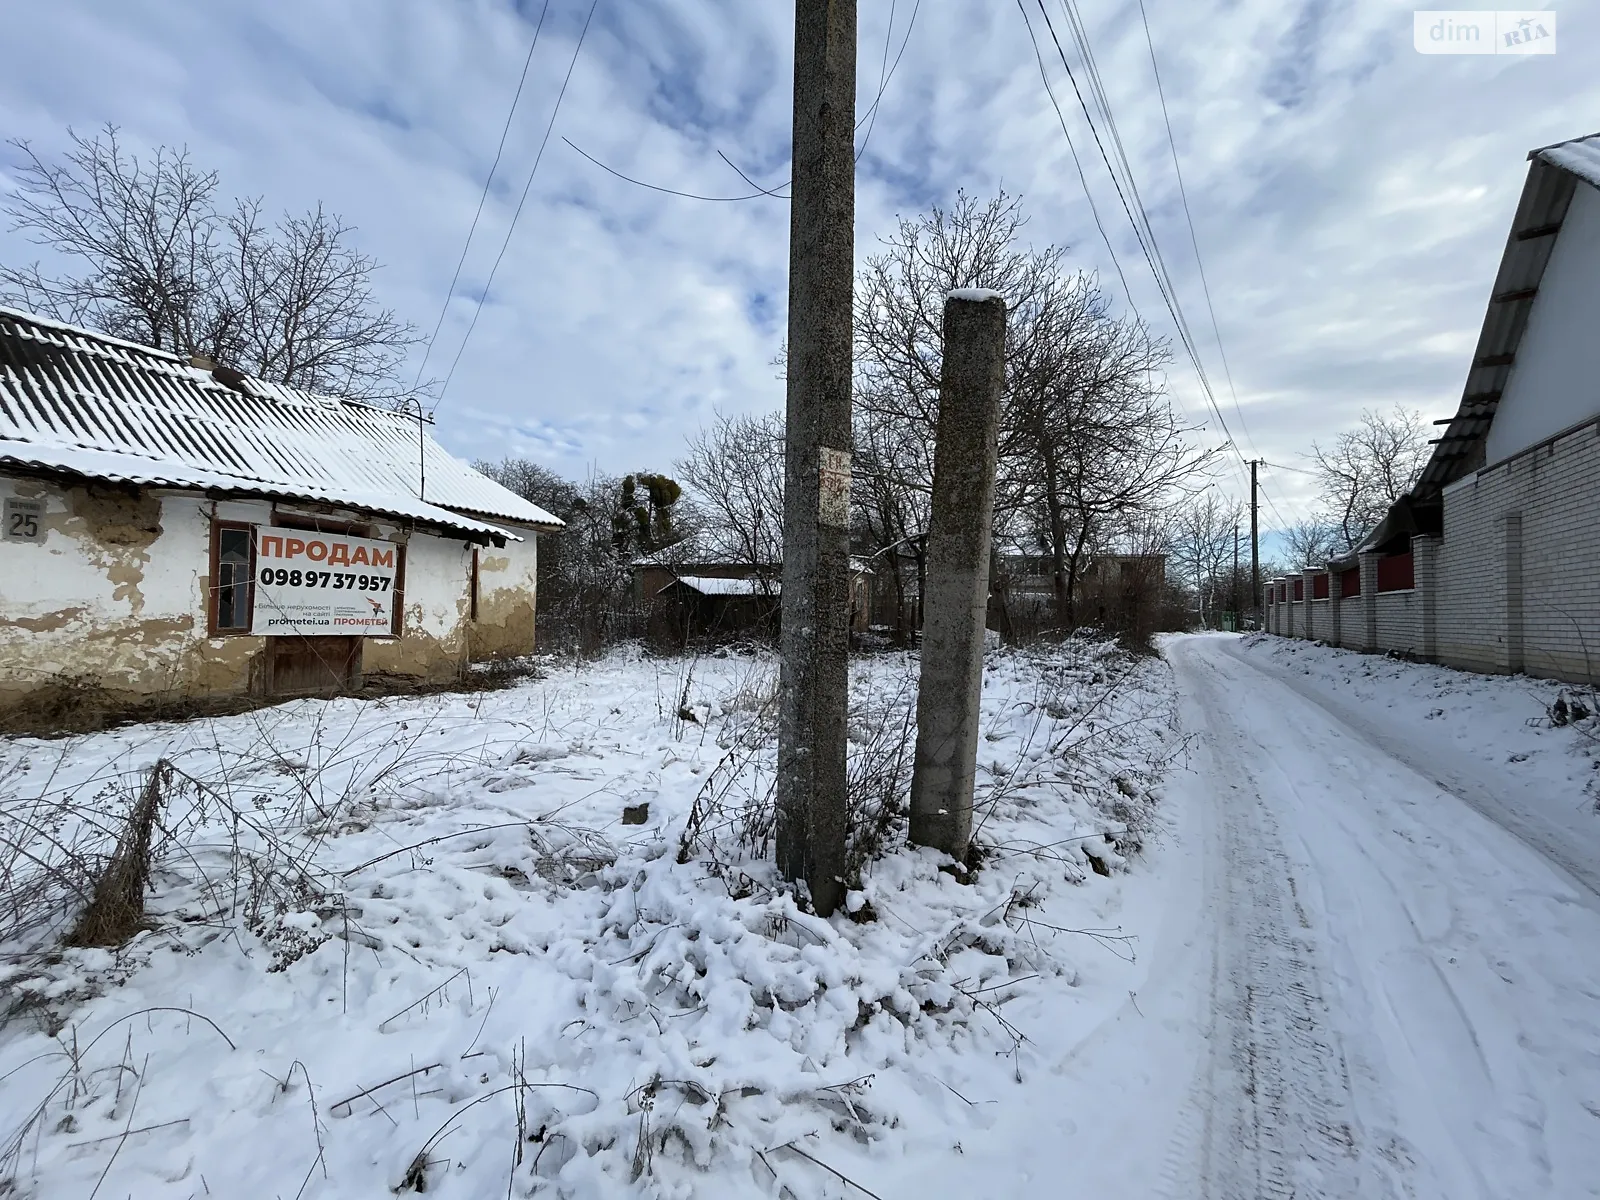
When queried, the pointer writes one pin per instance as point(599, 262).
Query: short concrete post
point(959, 533)
point(1335, 588)
point(1309, 575)
point(1369, 600)
point(1425, 580)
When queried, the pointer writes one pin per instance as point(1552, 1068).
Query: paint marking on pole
point(833, 490)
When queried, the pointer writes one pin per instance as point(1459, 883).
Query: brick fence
point(1513, 585)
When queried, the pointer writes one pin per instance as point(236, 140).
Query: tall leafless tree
point(734, 474)
point(1089, 439)
point(1311, 542)
point(149, 253)
point(1096, 447)
point(1204, 538)
point(1368, 468)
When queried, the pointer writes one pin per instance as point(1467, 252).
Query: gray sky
point(1350, 196)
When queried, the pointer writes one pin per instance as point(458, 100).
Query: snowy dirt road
point(1398, 996)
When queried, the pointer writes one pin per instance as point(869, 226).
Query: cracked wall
point(116, 595)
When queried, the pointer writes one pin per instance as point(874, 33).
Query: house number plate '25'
point(24, 520)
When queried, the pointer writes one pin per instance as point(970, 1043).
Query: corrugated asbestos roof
point(1552, 176)
point(90, 405)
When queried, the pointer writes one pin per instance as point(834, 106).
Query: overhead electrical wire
point(1094, 209)
point(511, 228)
point(1140, 224)
point(1194, 240)
point(1125, 184)
point(868, 118)
point(483, 196)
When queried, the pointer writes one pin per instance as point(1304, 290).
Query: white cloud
point(1350, 196)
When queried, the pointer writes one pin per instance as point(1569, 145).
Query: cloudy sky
point(1350, 196)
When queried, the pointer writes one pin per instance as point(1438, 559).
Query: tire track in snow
point(1282, 1118)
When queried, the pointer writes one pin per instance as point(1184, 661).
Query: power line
point(868, 118)
point(885, 76)
point(1147, 245)
point(1194, 240)
point(1076, 161)
point(1143, 231)
point(511, 228)
point(654, 187)
point(482, 197)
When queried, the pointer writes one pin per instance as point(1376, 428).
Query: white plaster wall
point(131, 613)
point(1555, 382)
point(75, 606)
point(507, 597)
point(437, 573)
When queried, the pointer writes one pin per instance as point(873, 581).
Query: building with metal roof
point(1492, 560)
point(152, 503)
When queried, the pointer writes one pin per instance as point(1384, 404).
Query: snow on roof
point(77, 401)
point(709, 586)
point(1546, 195)
point(1581, 156)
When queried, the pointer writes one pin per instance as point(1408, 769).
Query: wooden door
point(312, 666)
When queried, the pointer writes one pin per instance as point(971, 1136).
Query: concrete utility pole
point(1255, 545)
point(1233, 585)
point(815, 637)
point(959, 534)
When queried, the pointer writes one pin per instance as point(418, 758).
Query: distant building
point(1492, 561)
point(174, 529)
point(686, 589)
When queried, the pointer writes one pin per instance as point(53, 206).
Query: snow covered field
point(414, 944)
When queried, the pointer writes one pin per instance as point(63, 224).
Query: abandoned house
point(1490, 562)
point(685, 588)
point(174, 529)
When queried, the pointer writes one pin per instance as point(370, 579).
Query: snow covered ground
point(413, 944)
point(1486, 739)
point(1350, 947)
point(1403, 997)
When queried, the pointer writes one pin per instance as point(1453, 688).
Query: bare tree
point(1204, 533)
point(1312, 542)
point(900, 295)
point(1368, 468)
point(155, 260)
point(734, 472)
point(585, 596)
point(1095, 447)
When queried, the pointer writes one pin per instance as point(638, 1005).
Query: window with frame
point(472, 587)
point(232, 555)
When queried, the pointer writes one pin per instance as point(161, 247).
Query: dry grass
point(115, 911)
point(78, 704)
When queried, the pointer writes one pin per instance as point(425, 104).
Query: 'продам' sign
point(322, 584)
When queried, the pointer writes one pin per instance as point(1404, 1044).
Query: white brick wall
point(1516, 577)
point(1555, 488)
point(1400, 621)
point(1351, 622)
point(1321, 620)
